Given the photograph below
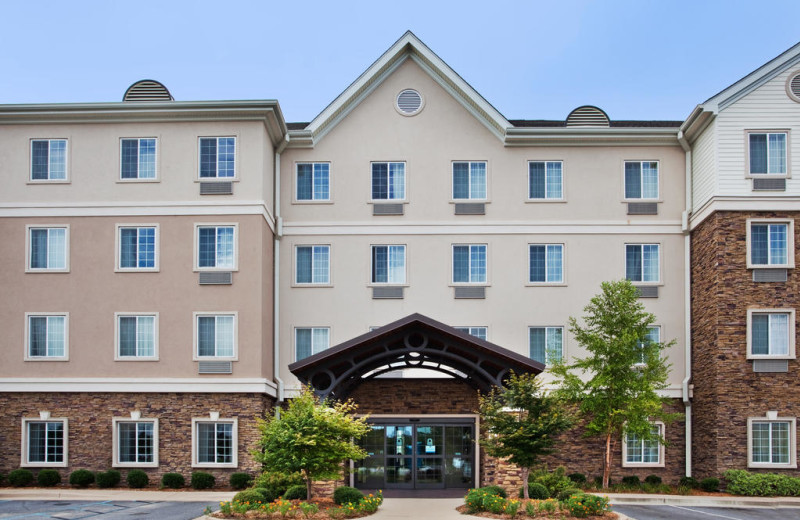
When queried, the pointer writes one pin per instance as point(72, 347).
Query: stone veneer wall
point(726, 390)
point(90, 427)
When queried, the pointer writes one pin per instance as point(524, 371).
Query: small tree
point(616, 385)
point(312, 437)
point(521, 422)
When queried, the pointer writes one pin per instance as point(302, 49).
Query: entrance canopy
point(415, 341)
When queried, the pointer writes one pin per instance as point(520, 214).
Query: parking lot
point(663, 512)
point(101, 510)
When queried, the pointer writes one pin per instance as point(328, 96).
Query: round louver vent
point(409, 102)
point(587, 115)
point(793, 86)
point(147, 90)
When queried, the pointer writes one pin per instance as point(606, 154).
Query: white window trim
point(788, 174)
point(118, 244)
point(196, 356)
point(329, 200)
point(453, 283)
point(660, 280)
point(563, 341)
point(563, 282)
point(28, 357)
point(404, 200)
point(773, 417)
point(294, 338)
point(115, 442)
point(661, 451)
point(467, 200)
point(295, 283)
point(790, 251)
point(67, 158)
point(660, 340)
point(138, 179)
point(28, 228)
point(44, 417)
point(405, 283)
point(641, 199)
point(235, 177)
point(791, 331)
point(117, 355)
point(197, 227)
point(235, 458)
point(486, 329)
point(544, 199)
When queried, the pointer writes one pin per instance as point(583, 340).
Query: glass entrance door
point(429, 457)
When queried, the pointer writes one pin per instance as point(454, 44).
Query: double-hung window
point(388, 181)
point(215, 443)
point(137, 248)
point(313, 181)
point(135, 442)
point(469, 180)
point(642, 263)
point(546, 344)
point(48, 160)
point(546, 263)
point(215, 336)
point(138, 158)
point(545, 180)
point(48, 249)
point(771, 334)
point(771, 442)
point(313, 265)
point(45, 442)
point(217, 157)
point(47, 337)
point(216, 247)
point(641, 451)
point(310, 340)
point(771, 244)
point(389, 264)
point(469, 263)
point(478, 332)
point(137, 336)
point(641, 180)
point(767, 153)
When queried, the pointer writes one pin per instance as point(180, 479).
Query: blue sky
point(531, 60)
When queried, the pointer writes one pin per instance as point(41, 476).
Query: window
point(217, 157)
point(478, 332)
point(136, 250)
point(135, 442)
point(771, 442)
point(47, 337)
point(545, 180)
point(639, 451)
point(469, 264)
point(44, 442)
point(767, 153)
point(653, 336)
point(215, 336)
point(313, 181)
point(313, 265)
point(546, 263)
point(641, 180)
point(770, 243)
point(138, 158)
point(642, 262)
point(469, 180)
point(49, 160)
point(137, 336)
point(216, 247)
point(214, 443)
point(48, 248)
point(389, 264)
point(546, 344)
point(388, 181)
point(310, 340)
point(770, 333)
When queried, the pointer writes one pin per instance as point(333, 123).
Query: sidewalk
point(113, 494)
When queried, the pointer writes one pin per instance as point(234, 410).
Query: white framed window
point(310, 340)
point(48, 160)
point(217, 157)
point(469, 263)
point(216, 247)
point(642, 263)
point(768, 153)
point(312, 265)
point(545, 263)
point(478, 332)
point(545, 180)
point(771, 441)
point(641, 180)
point(546, 344)
point(388, 180)
point(770, 243)
point(137, 247)
point(644, 453)
point(135, 442)
point(653, 336)
point(44, 442)
point(215, 336)
point(136, 335)
point(138, 158)
point(313, 182)
point(214, 443)
point(47, 248)
point(469, 180)
point(47, 336)
point(388, 264)
point(770, 334)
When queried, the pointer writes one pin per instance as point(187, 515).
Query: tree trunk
point(308, 484)
point(607, 462)
point(524, 473)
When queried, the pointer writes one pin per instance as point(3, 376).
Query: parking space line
point(707, 513)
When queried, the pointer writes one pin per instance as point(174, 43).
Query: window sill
point(212, 465)
point(467, 284)
point(48, 181)
point(217, 179)
point(138, 181)
point(770, 266)
point(764, 465)
point(546, 284)
point(52, 271)
point(215, 269)
point(767, 176)
point(548, 201)
point(775, 358)
point(627, 201)
point(126, 359)
point(134, 465)
point(388, 201)
point(44, 465)
point(470, 201)
point(38, 359)
point(131, 270)
point(213, 358)
point(312, 202)
point(312, 285)
point(643, 465)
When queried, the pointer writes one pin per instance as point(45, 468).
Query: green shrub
point(710, 484)
point(20, 477)
point(253, 496)
point(565, 494)
point(656, 488)
point(2, 478)
point(684, 490)
point(48, 478)
point(240, 480)
point(203, 480)
point(631, 481)
point(277, 483)
point(346, 494)
point(172, 480)
point(689, 482)
point(538, 491)
point(741, 482)
point(474, 500)
point(81, 478)
point(298, 492)
point(577, 478)
point(584, 505)
point(268, 494)
point(137, 479)
point(495, 504)
point(555, 481)
point(107, 479)
point(652, 479)
point(495, 490)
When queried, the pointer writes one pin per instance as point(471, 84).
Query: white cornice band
point(212, 385)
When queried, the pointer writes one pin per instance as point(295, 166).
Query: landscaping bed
point(315, 509)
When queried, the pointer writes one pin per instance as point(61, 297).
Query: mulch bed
point(609, 515)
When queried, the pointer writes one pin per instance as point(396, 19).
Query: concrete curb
point(700, 501)
point(128, 495)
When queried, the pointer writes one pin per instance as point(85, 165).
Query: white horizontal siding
point(704, 166)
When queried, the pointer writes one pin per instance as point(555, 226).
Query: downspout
point(276, 291)
point(687, 300)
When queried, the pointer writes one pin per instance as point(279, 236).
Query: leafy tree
point(615, 387)
point(312, 437)
point(521, 422)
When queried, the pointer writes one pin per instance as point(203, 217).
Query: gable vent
point(147, 90)
point(793, 87)
point(587, 116)
point(409, 102)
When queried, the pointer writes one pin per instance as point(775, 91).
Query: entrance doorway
point(412, 454)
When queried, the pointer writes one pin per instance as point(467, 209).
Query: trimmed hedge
point(652, 479)
point(48, 478)
point(268, 494)
point(137, 479)
point(20, 477)
point(494, 490)
point(203, 480)
point(346, 494)
point(81, 478)
point(173, 480)
point(710, 484)
point(253, 496)
point(741, 482)
point(240, 480)
point(298, 492)
point(108, 479)
point(689, 482)
point(538, 491)
point(577, 478)
point(565, 494)
point(631, 480)
point(277, 483)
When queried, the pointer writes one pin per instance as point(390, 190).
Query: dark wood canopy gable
point(415, 341)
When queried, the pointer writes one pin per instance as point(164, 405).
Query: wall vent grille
point(648, 291)
point(216, 188)
point(770, 365)
point(760, 184)
point(769, 275)
point(387, 209)
point(470, 208)
point(147, 90)
point(642, 208)
point(587, 116)
point(215, 367)
point(216, 278)
point(470, 293)
point(409, 102)
point(387, 293)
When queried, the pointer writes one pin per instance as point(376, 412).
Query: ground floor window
point(638, 451)
point(135, 442)
point(45, 442)
point(214, 442)
point(771, 442)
